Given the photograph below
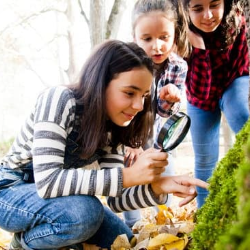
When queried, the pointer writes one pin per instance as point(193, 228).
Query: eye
point(147, 39)
point(129, 93)
point(165, 37)
point(215, 5)
point(147, 95)
point(197, 9)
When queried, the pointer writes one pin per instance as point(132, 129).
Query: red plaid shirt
point(211, 71)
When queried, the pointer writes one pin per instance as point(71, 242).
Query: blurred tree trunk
point(100, 25)
point(97, 21)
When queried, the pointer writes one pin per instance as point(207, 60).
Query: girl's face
point(126, 93)
point(156, 35)
point(206, 15)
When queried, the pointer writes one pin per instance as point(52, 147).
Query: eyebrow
point(198, 5)
point(136, 88)
point(165, 32)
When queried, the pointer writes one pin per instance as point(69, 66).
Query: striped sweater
point(43, 141)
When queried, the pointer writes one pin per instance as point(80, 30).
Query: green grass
point(4, 146)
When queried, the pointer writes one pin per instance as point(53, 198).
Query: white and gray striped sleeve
point(136, 197)
point(129, 198)
point(53, 116)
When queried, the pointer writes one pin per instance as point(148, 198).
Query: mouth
point(158, 58)
point(129, 116)
point(157, 55)
point(208, 24)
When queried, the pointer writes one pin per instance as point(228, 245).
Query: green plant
point(220, 212)
point(4, 146)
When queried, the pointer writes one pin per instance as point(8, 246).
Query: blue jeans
point(57, 222)
point(132, 216)
point(205, 128)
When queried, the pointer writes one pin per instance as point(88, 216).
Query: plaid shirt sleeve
point(175, 73)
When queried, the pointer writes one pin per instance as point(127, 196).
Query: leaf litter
point(167, 229)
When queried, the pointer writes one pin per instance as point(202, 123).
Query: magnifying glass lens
point(173, 131)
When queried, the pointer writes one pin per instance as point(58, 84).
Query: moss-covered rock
point(223, 221)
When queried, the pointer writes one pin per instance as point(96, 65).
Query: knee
point(82, 219)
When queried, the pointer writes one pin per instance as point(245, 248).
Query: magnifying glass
point(173, 131)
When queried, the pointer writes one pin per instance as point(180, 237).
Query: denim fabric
point(9, 177)
point(205, 128)
point(57, 222)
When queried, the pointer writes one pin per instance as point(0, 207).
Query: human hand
point(181, 185)
point(146, 169)
point(131, 155)
point(170, 93)
point(196, 40)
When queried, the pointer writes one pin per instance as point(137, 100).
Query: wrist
point(127, 176)
point(159, 195)
point(156, 189)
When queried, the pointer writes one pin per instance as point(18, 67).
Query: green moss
point(238, 235)
point(220, 213)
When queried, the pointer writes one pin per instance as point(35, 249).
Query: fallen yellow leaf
point(164, 215)
point(167, 242)
point(148, 231)
point(121, 243)
point(160, 240)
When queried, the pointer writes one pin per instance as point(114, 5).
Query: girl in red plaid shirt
point(217, 79)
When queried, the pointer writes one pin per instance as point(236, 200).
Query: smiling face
point(156, 35)
point(125, 95)
point(206, 15)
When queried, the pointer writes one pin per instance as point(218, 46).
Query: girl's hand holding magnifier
point(148, 168)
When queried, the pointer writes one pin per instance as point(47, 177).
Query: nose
point(138, 104)
point(157, 45)
point(208, 13)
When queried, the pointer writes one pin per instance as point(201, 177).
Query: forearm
point(135, 198)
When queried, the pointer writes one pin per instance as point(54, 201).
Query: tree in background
point(103, 19)
point(100, 26)
point(44, 43)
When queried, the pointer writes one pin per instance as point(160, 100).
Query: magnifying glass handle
point(126, 161)
point(157, 147)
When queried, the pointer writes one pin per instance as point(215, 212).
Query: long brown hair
point(105, 63)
